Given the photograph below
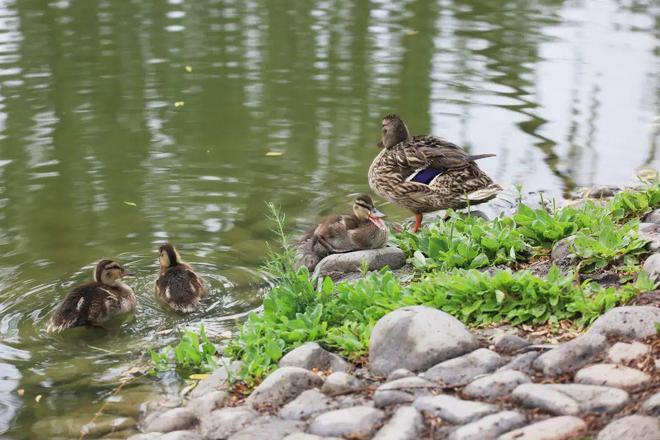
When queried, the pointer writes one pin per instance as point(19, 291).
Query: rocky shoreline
point(428, 376)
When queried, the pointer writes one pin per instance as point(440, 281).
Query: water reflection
point(96, 160)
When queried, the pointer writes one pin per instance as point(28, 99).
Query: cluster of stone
point(428, 377)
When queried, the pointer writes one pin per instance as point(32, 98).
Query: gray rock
point(340, 383)
point(556, 428)
point(462, 370)
point(374, 259)
point(202, 406)
point(636, 322)
point(612, 375)
point(563, 253)
point(268, 427)
point(312, 355)
point(541, 396)
point(452, 409)
point(622, 352)
point(181, 435)
point(495, 385)
point(307, 404)
point(357, 421)
point(594, 398)
point(416, 338)
point(510, 343)
point(489, 427)
point(176, 419)
point(652, 266)
point(282, 386)
point(651, 406)
point(632, 427)
point(571, 399)
point(522, 362)
point(403, 390)
point(149, 436)
point(405, 424)
point(652, 217)
point(218, 380)
point(222, 423)
point(399, 374)
point(600, 191)
point(651, 233)
point(571, 355)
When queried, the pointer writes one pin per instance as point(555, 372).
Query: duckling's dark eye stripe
point(363, 205)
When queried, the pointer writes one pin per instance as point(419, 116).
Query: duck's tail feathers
point(484, 194)
point(480, 156)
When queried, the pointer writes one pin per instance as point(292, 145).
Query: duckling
point(426, 173)
point(178, 287)
point(363, 229)
point(95, 302)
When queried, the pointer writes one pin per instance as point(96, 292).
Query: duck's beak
point(380, 144)
point(376, 217)
point(125, 273)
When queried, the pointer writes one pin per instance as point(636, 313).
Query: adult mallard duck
point(340, 233)
point(425, 173)
point(95, 302)
point(178, 287)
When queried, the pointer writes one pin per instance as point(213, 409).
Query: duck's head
point(109, 272)
point(364, 209)
point(169, 256)
point(394, 131)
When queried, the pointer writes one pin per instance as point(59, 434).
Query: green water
point(565, 92)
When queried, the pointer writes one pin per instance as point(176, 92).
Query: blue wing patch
point(424, 176)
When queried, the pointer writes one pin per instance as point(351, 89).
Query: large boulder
point(416, 338)
point(635, 322)
point(282, 386)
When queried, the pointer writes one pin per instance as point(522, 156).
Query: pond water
point(125, 124)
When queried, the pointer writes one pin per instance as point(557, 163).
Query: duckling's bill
point(376, 217)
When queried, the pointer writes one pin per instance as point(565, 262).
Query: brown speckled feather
point(180, 288)
point(460, 182)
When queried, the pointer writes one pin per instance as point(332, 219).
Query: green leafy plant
point(193, 354)
point(464, 242)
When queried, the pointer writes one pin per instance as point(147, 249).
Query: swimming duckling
point(95, 302)
point(426, 173)
point(363, 229)
point(178, 287)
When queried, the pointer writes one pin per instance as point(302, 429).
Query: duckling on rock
point(426, 173)
point(340, 233)
point(178, 287)
point(95, 302)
